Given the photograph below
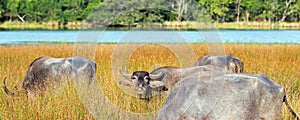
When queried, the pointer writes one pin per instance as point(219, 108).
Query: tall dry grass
point(279, 62)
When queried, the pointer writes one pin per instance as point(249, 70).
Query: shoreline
point(173, 25)
point(115, 43)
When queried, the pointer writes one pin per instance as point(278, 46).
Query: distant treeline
point(64, 11)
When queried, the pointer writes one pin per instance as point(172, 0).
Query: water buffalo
point(142, 81)
point(160, 79)
point(216, 94)
point(45, 71)
point(230, 62)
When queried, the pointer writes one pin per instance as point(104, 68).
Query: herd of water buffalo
point(214, 88)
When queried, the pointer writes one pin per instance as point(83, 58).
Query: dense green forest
point(64, 11)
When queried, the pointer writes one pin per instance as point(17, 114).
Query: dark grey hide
point(229, 62)
point(45, 71)
point(166, 77)
point(215, 94)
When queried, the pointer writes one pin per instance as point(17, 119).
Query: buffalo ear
point(156, 84)
point(126, 82)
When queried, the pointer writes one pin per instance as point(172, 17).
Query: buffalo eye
point(146, 78)
point(134, 79)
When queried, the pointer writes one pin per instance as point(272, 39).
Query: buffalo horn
point(125, 75)
point(156, 76)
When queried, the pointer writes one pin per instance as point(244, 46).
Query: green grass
point(171, 25)
point(50, 25)
point(233, 25)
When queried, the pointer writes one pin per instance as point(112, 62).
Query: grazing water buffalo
point(45, 71)
point(160, 79)
point(212, 95)
point(230, 62)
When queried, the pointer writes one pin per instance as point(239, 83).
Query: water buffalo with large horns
point(45, 71)
point(229, 62)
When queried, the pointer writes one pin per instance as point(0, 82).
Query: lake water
point(235, 36)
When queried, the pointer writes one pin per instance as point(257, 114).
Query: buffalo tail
point(5, 88)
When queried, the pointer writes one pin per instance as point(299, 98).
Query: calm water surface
point(240, 36)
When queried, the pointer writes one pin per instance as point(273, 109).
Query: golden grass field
point(279, 62)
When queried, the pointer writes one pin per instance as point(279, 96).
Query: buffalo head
point(142, 81)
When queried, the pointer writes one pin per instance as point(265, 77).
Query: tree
point(238, 6)
point(185, 9)
point(251, 7)
point(295, 10)
point(216, 8)
point(131, 12)
point(287, 9)
point(90, 6)
point(269, 12)
point(182, 7)
point(12, 6)
point(24, 8)
point(120, 13)
point(1, 10)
